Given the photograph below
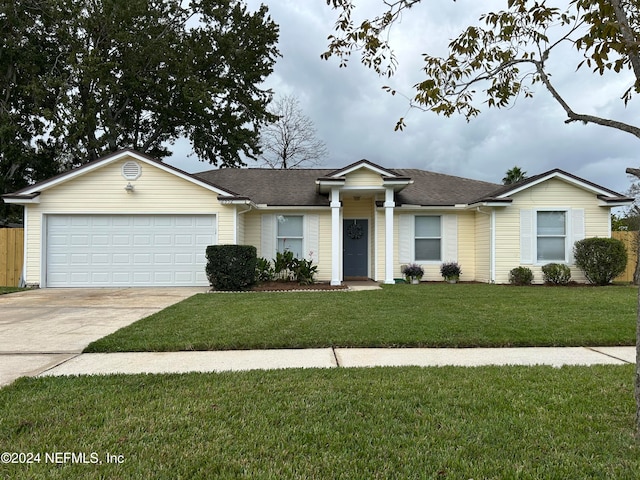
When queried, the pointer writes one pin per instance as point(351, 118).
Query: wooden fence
point(11, 256)
point(630, 240)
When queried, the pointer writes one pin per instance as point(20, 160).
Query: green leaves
point(88, 78)
point(500, 59)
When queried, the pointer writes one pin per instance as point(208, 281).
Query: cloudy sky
point(356, 118)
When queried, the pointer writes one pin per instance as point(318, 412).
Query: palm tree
point(514, 175)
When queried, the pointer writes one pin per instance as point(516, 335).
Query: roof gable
point(601, 192)
point(28, 193)
point(362, 164)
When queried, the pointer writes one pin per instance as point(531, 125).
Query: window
point(290, 234)
point(551, 236)
point(428, 238)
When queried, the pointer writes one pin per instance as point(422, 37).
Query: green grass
point(5, 290)
point(433, 315)
point(458, 423)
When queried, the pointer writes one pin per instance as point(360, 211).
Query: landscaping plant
point(412, 270)
point(450, 271)
point(556, 274)
point(231, 267)
point(601, 259)
point(521, 276)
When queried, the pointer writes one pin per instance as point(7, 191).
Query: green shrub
point(556, 273)
point(521, 276)
point(601, 259)
point(304, 271)
point(286, 267)
point(264, 270)
point(231, 267)
point(283, 265)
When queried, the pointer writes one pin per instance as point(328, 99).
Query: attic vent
point(131, 170)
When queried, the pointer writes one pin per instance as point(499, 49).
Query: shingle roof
point(298, 186)
point(271, 186)
point(437, 189)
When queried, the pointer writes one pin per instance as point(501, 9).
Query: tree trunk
point(637, 387)
point(636, 172)
point(636, 273)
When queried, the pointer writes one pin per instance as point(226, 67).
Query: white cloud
point(356, 118)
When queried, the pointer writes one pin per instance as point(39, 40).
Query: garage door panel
point(79, 240)
point(141, 240)
point(135, 250)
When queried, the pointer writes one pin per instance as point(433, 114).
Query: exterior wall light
point(129, 188)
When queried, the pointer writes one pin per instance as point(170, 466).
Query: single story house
point(129, 220)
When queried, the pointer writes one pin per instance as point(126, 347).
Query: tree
point(85, 78)
point(290, 141)
point(505, 57)
point(514, 175)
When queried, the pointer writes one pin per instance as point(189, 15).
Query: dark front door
point(355, 244)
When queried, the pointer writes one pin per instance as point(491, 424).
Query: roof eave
point(605, 201)
point(21, 199)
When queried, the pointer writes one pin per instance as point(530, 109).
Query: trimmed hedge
point(231, 267)
point(601, 259)
point(556, 274)
point(521, 276)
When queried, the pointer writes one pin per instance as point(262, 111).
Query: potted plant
point(413, 272)
point(450, 271)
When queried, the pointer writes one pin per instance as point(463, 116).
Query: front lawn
point(450, 422)
point(432, 315)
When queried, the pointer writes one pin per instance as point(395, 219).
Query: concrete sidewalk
point(218, 361)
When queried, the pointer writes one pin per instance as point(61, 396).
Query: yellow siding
point(252, 225)
point(483, 247)
point(466, 246)
point(554, 193)
point(102, 192)
point(253, 236)
point(363, 178)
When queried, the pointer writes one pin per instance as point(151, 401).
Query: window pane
point(551, 223)
point(427, 227)
point(551, 248)
point(428, 249)
point(289, 225)
point(291, 244)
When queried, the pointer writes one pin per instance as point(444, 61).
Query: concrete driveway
point(43, 328)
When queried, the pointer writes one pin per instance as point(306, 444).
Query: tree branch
point(628, 38)
point(579, 117)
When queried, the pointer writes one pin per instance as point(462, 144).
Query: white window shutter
point(527, 236)
point(577, 230)
point(311, 234)
point(268, 237)
point(406, 238)
point(450, 238)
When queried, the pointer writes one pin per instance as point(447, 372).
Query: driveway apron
point(43, 328)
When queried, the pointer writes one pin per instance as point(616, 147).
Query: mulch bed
point(291, 286)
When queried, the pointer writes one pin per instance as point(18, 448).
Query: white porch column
point(389, 205)
point(335, 237)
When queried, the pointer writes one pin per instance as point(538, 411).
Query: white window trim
point(310, 235)
point(568, 229)
point(302, 237)
point(441, 238)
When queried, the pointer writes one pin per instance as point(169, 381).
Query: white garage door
point(128, 250)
